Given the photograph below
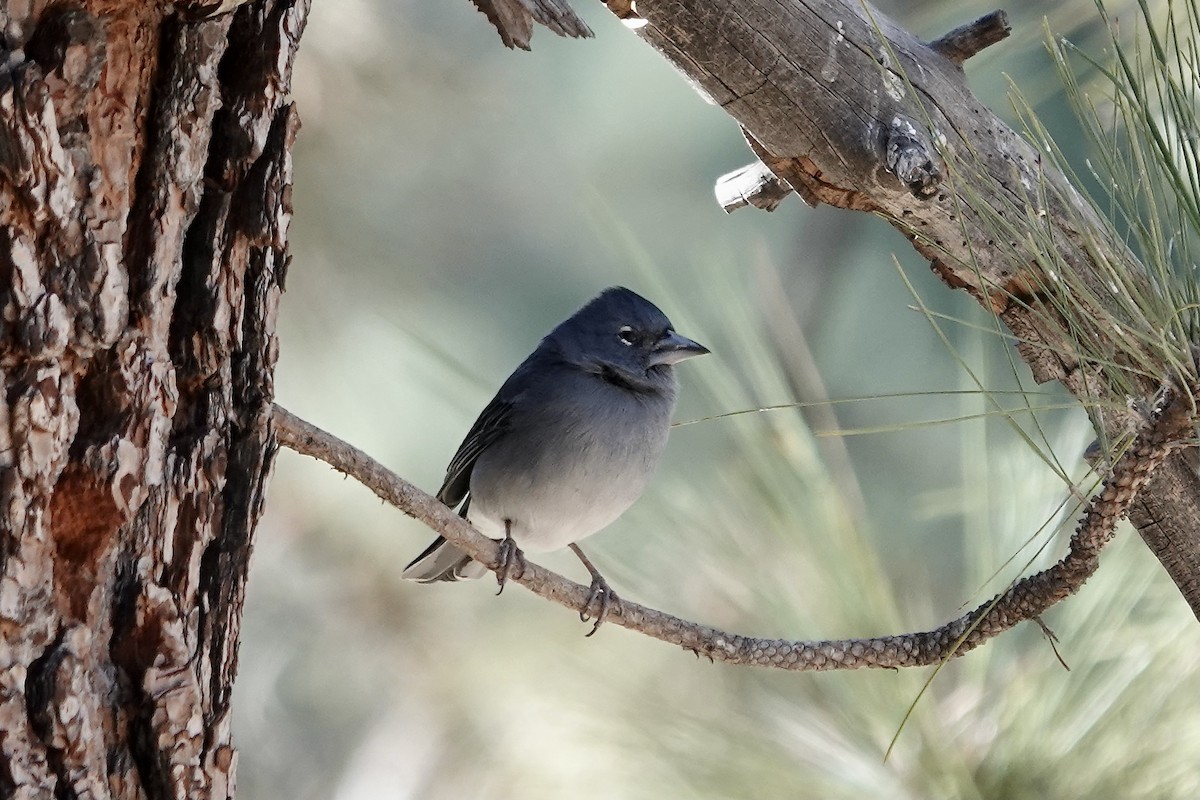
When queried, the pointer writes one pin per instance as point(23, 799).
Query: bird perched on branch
point(568, 443)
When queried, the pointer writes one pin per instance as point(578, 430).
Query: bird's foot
point(604, 597)
point(508, 558)
point(601, 593)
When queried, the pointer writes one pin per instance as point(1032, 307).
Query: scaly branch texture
point(1025, 600)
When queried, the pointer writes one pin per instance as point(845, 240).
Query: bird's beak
point(673, 348)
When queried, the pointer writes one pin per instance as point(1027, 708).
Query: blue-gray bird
point(568, 443)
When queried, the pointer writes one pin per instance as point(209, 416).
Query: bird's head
point(626, 339)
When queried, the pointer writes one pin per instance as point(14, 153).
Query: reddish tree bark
point(145, 179)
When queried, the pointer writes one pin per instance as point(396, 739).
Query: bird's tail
point(442, 561)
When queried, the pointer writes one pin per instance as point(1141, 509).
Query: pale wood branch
point(1024, 600)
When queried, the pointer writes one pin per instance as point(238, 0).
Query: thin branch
point(1171, 422)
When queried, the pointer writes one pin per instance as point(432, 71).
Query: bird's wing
point(493, 421)
point(441, 561)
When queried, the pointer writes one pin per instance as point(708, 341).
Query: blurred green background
point(454, 200)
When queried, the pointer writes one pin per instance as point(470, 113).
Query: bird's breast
point(569, 466)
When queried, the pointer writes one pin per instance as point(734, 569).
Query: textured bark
point(514, 19)
point(847, 108)
point(145, 177)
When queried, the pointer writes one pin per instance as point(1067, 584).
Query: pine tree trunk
point(145, 180)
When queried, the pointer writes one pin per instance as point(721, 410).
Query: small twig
point(1053, 640)
point(966, 40)
point(1026, 599)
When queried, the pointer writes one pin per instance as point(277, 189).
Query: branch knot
point(910, 156)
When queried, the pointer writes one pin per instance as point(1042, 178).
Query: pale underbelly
point(541, 525)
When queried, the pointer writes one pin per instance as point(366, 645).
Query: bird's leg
point(601, 593)
point(509, 556)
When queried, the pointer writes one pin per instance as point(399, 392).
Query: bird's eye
point(625, 334)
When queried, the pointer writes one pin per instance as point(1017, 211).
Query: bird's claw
point(603, 595)
point(508, 557)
